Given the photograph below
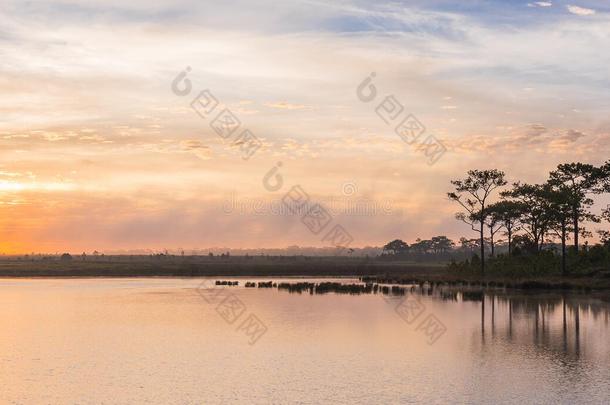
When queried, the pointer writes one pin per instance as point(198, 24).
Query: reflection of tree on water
point(510, 319)
point(493, 316)
point(483, 319)
point(564, 332)
point(551, 330)
point(551, 323)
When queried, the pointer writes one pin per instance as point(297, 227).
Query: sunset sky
point(97, 152)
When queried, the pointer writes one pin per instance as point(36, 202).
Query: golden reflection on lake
point(161, 341)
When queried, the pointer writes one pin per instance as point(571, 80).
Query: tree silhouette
point(396, 247)
point(494, 225)
point(579, 180)
point(441, 244)
point(603, 175)
point(508, 213)
point(473, 194)
point(534, 218)
point(603, 234)
point(560, 213)
point(468, 245)
point(422, 246)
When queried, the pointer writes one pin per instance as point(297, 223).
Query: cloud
point(200, 150)
point(540, 4)
point(535, 130)
point(533, 137)
point(288, 106)
point(572, 135)
point(570, 140)
point(580, 10)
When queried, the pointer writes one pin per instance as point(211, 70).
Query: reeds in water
point(227, 283)
point(297, 287)
point(265, 284)
point(449, 295)
point(472, 295)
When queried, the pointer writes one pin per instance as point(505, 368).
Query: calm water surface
point(118, 341)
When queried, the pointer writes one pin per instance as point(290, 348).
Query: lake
point(176, 341)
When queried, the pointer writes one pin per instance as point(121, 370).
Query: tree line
point(532, 214)
point(435, 245)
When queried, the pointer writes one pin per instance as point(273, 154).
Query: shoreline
point(394, 272)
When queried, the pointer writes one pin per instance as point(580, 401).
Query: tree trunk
point(576, 231)
point(510, 240)
point(536, 239)
point(482, 246)
point(563, 248)
point(492, 244)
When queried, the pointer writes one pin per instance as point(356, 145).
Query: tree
point(560, 215)
point(604, 187)
point(473, 194)
point(579, 179)
point(468, 245)
point(491, 222)
point(396, 247)
point(508, 213)
point(534, 218)
point(494, 225)
point(422, 246)
point(441, 244)
point(524, 243)
point(604, 235)
point(603, 174)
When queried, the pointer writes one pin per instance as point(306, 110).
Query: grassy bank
point(392, 272)
point(199, 266)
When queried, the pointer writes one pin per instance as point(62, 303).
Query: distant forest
point(517, 229)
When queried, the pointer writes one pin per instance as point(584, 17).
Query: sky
point(100, 148)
